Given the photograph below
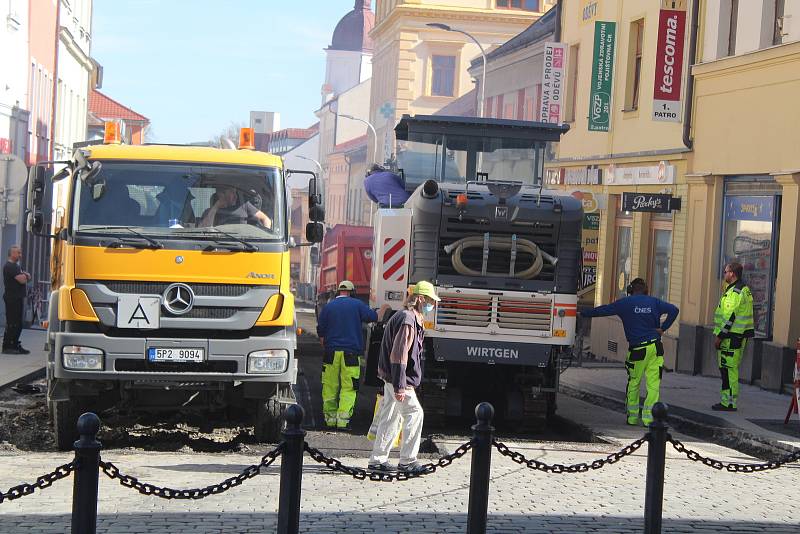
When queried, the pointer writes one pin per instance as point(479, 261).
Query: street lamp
point(372, 129)
point(447, 28)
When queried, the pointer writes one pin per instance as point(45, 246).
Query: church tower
point(349, 56)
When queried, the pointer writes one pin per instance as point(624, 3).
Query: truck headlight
point(268, 362)
point(78, 358)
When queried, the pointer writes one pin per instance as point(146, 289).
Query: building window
point(572, 84)
point(443, 71)
point(660, 254)
point(525, 5)
point(732, 23)
point(634, 65)
point(778, 22)
point(749, 237)
point(623, 256)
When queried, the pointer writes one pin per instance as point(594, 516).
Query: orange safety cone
point(794, 405)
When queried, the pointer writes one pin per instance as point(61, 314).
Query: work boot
point(385, 467)
point(11, 350)
point(21, 350)
point(414, 468)
point(719, 407)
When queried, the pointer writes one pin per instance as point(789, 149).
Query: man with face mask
point(400, 368)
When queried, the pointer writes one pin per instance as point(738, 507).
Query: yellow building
point(418, 69)
point(625, 148)
point(744, 182)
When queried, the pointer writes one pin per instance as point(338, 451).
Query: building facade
point(418, 69)
point(41, 68)
point(744, 182)
point(74, 69)
point(103, 108)
point(622, 155)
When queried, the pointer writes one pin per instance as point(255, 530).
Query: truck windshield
point(458, 158)
point(166, 199)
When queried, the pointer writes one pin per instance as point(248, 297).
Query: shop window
point(749, 236)
point(623, 256)
point(660, 254)
point(443, 71)
point(634, 65)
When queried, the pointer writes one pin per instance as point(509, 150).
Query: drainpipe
point(687, 109)
point(557, 36)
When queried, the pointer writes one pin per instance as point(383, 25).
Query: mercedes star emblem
point(178, 299)
point(178, 259)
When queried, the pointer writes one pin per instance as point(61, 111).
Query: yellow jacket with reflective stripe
point(734, 314)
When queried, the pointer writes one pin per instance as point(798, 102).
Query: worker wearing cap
point(340, 332)
point(400, 368)
point(641, 320)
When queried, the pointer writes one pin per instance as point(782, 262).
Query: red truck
point(346, 254)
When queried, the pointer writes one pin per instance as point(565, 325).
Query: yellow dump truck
point(170, 281)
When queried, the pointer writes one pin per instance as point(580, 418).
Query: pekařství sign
point(669, 66)
point(602, 76)
point(552, 82)
point(649, 202)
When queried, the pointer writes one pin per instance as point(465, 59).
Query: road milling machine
point(503, 252)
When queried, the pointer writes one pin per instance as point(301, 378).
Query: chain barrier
point(129, 481)
point(379, 476)
point(574, 468)
point(44, 481)
point(731, 466)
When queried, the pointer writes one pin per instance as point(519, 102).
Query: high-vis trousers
point(340, 376)
point(645, 359)
point(729, 356)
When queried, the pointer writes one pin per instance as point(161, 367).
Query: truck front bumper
point(125, 358)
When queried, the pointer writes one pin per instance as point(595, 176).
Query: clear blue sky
point(194, 66)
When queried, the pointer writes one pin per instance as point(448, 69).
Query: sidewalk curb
point(33, 375)
point(688, 423)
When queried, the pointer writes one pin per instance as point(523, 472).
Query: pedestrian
point(733, 325)
point(641, 319)
point(385, 187)
point(400, 368)
point(16, 281)
point(340, 332)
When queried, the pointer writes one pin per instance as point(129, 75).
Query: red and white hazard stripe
point(394, 259)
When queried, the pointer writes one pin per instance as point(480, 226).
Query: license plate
point(175, 355)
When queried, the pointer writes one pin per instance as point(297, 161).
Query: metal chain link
point(112, 471)
point(44, 481)
point(574, 468)
point(732, 466)
point(378, 476)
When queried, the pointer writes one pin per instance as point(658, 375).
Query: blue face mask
point(427, 307)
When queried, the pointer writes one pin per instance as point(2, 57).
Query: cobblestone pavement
point(697, 498)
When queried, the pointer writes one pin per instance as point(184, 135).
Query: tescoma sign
point(605, 34)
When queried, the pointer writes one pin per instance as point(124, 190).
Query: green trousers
point(340, 376)
point(729, 359)
point(644, 360)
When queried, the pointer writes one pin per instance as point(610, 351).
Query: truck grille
point(158, 288)
point(143, 366)
point(506, 313)
point(206, 313)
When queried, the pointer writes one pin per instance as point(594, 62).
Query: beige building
point(743, 194)
point(418, 69)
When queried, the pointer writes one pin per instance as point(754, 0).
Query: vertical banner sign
point(555, 55)
point(669, 66)
point(602, 76)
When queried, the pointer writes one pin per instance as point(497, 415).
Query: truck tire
point(269, 420)
point(65, 415)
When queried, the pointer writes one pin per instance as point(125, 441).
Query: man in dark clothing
point(339, 330)
point(385, 188)
point(15, 280)
point(641, 319)
point(226, 209)
point(400, 368)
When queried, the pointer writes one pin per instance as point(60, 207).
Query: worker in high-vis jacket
point(641, 318)
point(733, 325)
point(340, 332)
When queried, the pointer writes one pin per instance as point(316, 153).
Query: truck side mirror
point(316, 211)
point(38, 206)
point(314, 256)
point(314, 232)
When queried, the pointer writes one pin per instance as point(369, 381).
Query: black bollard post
point(656, 460)
point(481, 466)
point(291, 472)
point(87, 476)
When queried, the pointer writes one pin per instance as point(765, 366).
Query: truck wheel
point(65, 423)
point(269, 421)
